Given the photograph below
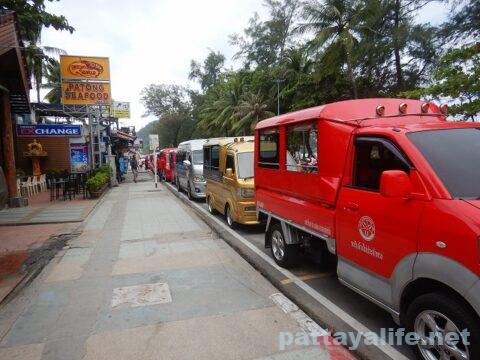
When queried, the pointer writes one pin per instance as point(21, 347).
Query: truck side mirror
point(229, 173)
point(395, 183)
point(187, 163)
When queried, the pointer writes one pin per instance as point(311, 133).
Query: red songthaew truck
point(392, 190)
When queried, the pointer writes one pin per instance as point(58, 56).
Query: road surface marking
point(347, 318)
point(307, 277)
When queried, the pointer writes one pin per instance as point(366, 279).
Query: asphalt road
point(323, 279)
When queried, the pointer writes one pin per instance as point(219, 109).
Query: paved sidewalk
point(42, 211)
point(148, 280)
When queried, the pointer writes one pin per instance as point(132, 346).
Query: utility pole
point(278, 81)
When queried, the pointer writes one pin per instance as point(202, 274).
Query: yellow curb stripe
point(307, 277)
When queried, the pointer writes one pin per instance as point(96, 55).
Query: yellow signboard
point(85, 93)
point(84, 68)
point(120, 109)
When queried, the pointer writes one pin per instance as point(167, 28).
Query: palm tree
point(219, 114)
point(251, 109)
point(37, 58)
point(53, 81)
point(336, 24)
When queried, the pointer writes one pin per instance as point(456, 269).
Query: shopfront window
point(302, 148)
point(269, 145)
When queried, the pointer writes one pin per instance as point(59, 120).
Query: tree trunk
point(396, 47)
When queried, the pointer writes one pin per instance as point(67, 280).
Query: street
point(147, 279)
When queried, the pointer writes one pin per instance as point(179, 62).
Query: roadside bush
point(104, 169)
point(96, 182)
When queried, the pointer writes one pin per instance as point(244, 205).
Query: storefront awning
point(124, 136)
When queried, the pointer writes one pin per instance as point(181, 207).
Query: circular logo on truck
point(366, 228)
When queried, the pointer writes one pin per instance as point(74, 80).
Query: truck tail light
point(403, 108)
point(380, 110)
point(425, 107)
point(444, 109)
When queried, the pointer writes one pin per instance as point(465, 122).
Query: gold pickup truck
point(228, 170)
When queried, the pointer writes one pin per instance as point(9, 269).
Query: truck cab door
point(376, 235)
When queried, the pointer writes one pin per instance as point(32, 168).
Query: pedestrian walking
point(134, 166)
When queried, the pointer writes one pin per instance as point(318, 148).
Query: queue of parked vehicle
point(387, 187)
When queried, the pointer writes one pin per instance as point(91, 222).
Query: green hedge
point(101, 176)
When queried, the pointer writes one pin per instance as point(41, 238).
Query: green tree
point(251, 109)
point(457, 79)
point(218, 113)
point(207, 74)
point(335, 24)
point(53, 81)
point(264, 42)
point(33, 17)
point(171, 105)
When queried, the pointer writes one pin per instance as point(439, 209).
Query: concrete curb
point(313, 308)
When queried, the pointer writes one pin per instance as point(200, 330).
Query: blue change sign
point(49, 130)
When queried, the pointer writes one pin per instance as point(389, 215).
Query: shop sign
point(85, 93)
point(79, 157)
point(49, 130)
point(84, 68)
point(120, 109)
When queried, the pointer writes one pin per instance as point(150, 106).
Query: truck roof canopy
point(362, 113)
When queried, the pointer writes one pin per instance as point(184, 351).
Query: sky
point(153, 41)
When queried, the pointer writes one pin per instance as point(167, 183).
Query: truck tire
point(189, 191)
point(284, 255)
point(447, 315)
point(211, 209)
point(229, 217)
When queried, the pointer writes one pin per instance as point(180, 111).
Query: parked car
point(189, 168)
point(391, 189)
point(228, 170)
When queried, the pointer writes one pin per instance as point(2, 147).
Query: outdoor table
point(55, 186)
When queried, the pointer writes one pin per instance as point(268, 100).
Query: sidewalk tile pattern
point(147, 280)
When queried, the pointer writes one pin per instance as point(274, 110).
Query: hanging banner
point(84, 68)
point(79, 158)
point(49, 130)
point(120, 109)
point(83, 93)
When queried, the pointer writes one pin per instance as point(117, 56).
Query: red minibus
point(391, 190)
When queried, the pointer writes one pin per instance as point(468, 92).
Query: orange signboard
point(84, 68)
point(85, 93)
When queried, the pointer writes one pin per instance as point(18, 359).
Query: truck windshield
point(198, 157)
point(245, 165)
point(454, 154)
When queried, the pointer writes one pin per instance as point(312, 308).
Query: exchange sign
point(84, 68)
point(49, 130)
point(120, 109)
point(85, 93)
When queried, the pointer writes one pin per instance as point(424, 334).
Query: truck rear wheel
point(434, 316)
point(284, 255)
